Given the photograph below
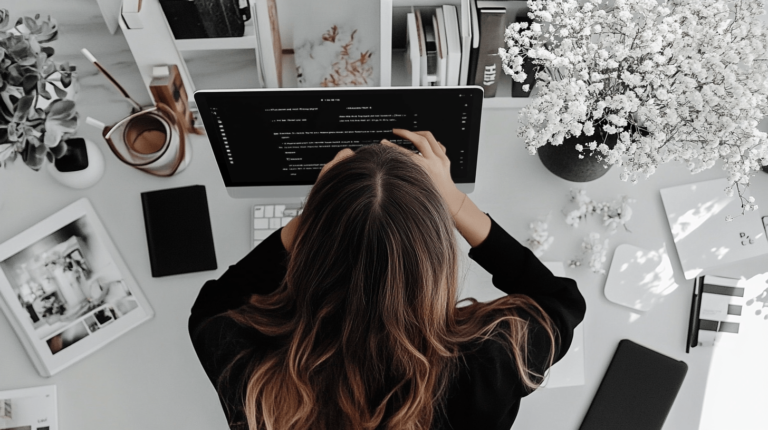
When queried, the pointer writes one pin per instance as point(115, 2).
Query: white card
point(703, 238)
point(638, 278)
point(569, 371)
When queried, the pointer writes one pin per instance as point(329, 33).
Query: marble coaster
point(639, 278)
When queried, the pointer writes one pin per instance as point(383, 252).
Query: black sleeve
point(260, 272)
point(516, 270)
point(218, 340)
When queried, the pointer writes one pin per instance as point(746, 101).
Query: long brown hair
point(367, 317)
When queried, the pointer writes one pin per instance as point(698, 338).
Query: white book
point(269, 50)
point(466, 40)
point(422, 38)
point(453, 45)
point(438, 23)
point(703, 238)
point(734, 397)
point(569, 371)
point(413, 57)
point(65, 289)
point(29, 408)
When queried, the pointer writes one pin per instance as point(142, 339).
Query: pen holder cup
point(151, 140)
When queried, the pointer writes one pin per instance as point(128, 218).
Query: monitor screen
point(284, 137)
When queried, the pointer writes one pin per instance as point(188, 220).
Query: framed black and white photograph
point(29, 409)
point(66, 288)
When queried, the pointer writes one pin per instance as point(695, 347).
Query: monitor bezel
point(276, 189)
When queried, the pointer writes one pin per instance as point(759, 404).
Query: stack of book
point(448, 47)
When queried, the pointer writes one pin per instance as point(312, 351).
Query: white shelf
point(247, 41)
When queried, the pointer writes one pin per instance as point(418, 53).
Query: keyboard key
point(290, 212)
point(285, 220)
point(279, 210)
point(269, 211)
point(258, 211)
point(274, 223)
point(261, 234)
point(261, 223)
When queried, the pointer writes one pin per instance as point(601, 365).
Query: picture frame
point(66, 290)
point(29, 408)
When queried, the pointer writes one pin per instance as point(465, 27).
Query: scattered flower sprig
point(614, 213)
point(540, 239)
point(593, 253)
point(682, 80)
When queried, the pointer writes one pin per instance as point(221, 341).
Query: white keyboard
point(268, 218)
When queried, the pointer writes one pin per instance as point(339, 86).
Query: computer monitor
point(272, 143)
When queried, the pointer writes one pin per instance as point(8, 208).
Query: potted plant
point(37, 112)
point(636, 83)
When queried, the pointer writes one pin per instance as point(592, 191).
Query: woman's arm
point(516, 270)
point(471, 222)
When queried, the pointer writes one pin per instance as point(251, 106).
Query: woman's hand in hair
point(344, 153)
point(434, 160)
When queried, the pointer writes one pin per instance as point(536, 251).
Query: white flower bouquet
point(667, 80)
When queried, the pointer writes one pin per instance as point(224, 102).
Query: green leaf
point(34, 155)
point(48, 67)
point(66, 79)
point(59, 150)
point(23, 107)
point(23, 50)
point(31, 24)
point(61, 119)
point(60, 93)
point(29, 83)
point(48, 31)
point(5, 18)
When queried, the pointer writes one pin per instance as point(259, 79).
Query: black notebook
point(178, 228)
point(637, 391)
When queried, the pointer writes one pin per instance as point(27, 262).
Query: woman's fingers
point(437, 148)
point(421, 142)
point(344, 153)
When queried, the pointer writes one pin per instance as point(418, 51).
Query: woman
point(347, 318)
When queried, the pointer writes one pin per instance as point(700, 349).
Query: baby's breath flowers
point(540, 239)
point(615, 213)
point(593, 253)
point(674, 80)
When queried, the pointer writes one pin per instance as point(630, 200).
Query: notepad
point(178, 226)
point(637, 391)
point(703, 238)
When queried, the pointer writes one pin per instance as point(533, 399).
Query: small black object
point(178, 226)
point(184, 19)
point(75, 158)
point(221, 18)
point(637, 391)
point(245, 9)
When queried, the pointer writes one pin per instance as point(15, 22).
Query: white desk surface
point(151, 379)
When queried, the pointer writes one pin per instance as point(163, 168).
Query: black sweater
point(487, 390)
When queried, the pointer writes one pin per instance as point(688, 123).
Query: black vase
point(563, 160)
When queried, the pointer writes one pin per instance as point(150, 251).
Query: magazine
point(29, 409)
point(66, 290)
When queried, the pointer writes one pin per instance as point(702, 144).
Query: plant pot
point(563, 160)
point(81, 166)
